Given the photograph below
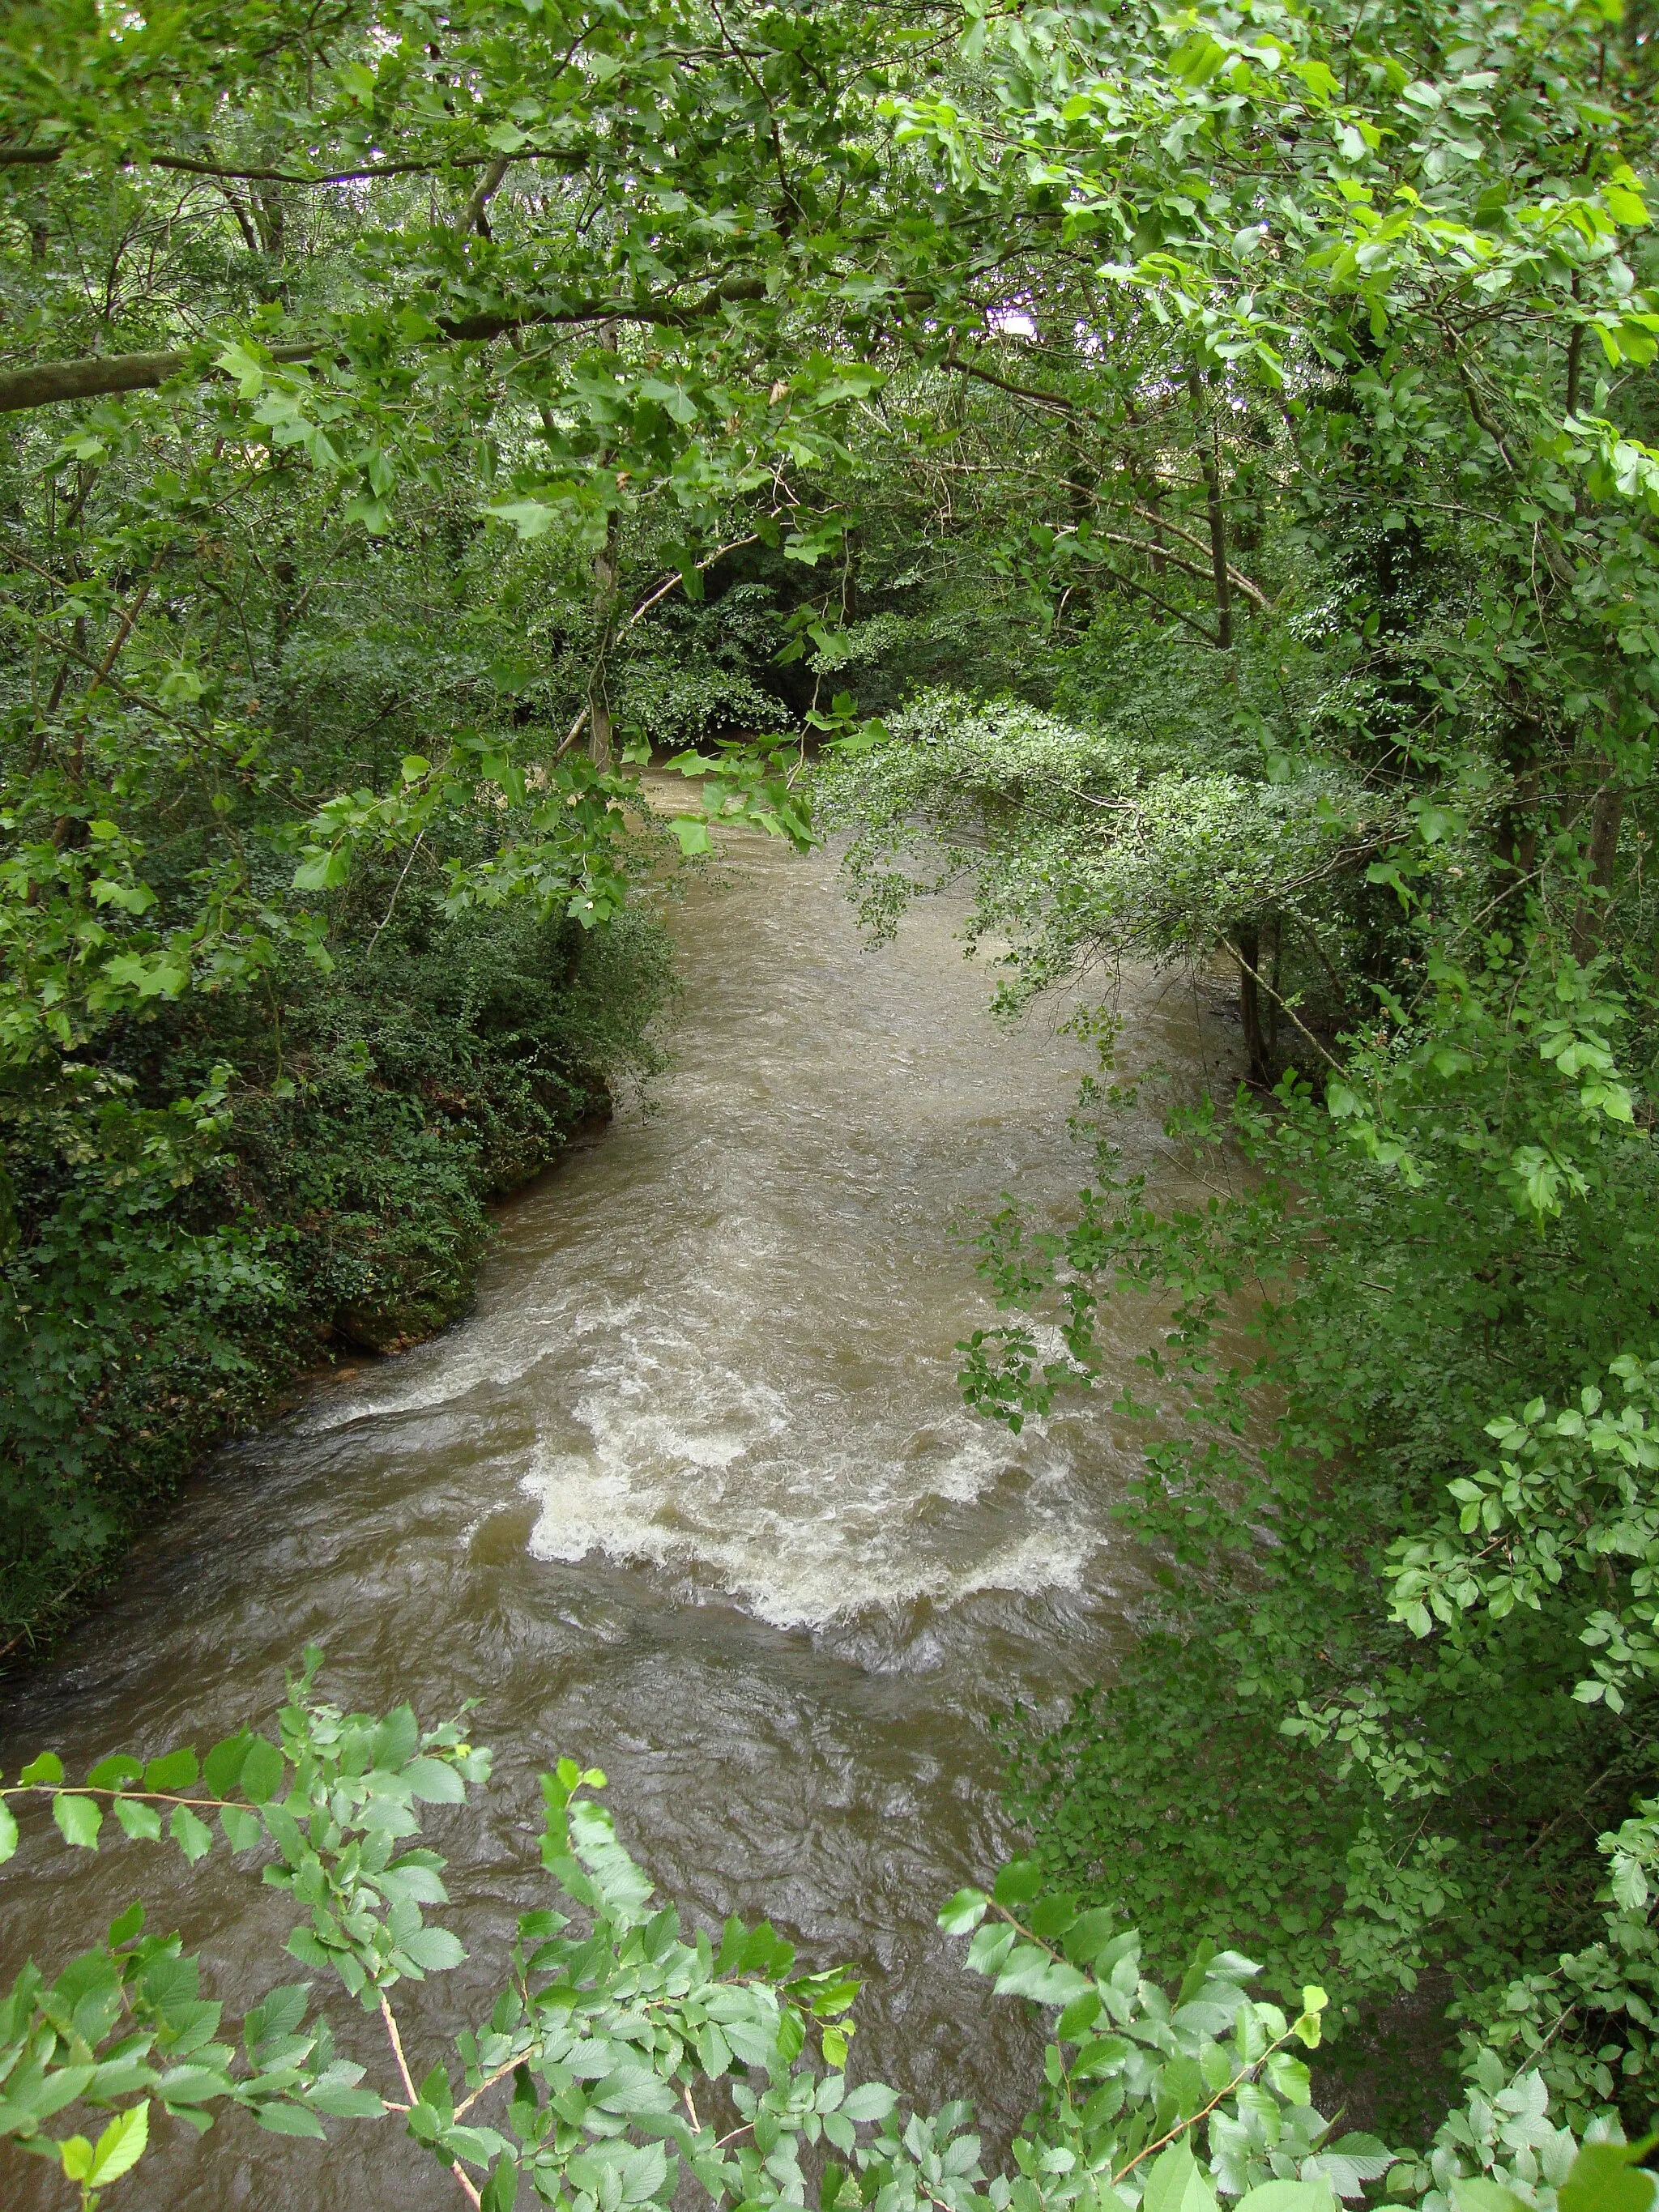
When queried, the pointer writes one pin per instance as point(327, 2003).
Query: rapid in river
point(691, 1495)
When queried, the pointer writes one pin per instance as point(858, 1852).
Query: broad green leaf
point(193, 1836)
point(434, 1950)
point(1017, 1883)
point(262, 1769)
point(1479, 2194)
point(142, 1822)
point(871, 2100)
point(121, 2145)
point(223, 1764)
point(173, 1771)
point(692, 835)
point(501, 2193)
point(1174, 2184)
point(290, 2120)
point(434, 1783)
point(242, 1827)
point(964, 1912)
point(1288, 2196)
point(114, 1772)
point(79, 1820)
point(1604, 2178)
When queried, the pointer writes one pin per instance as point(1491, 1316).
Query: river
point(690, 1494)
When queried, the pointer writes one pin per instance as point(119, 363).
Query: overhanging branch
point(50, 383)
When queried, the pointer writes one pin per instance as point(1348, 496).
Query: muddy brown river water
point(690, 1494)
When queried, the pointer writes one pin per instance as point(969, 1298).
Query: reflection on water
point(690, 1494)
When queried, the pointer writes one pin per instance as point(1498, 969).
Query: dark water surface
point(691, 1495)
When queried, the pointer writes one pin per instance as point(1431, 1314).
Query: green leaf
point(964, 1912)
point(1017, 1883)
point(693, 834)
point(434, 1950)
point(79, 1820)
point(242, 1827)
point(47, 1768)
point(1478, 2194)
point(126, 1925)
point(175, 1770)
point(530, 517)
point(1175, 2183)
point(115, 1772)
point(434, 1783)
point(261, 1775)
point(1605, 2178)
point(222, 1766)
point(142, 1822)
point(193, 1836)
point(871, 2100)
point(8, 1832)
point(1288, 2196)
point(121, 2145)
point(291, 2120)
point(76, 2155)
point(501, 2193)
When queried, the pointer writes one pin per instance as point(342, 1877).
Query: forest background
point(1193, 473)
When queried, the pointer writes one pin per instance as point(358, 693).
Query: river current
point(691, 1495)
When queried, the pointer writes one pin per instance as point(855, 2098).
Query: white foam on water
point(801, 1521)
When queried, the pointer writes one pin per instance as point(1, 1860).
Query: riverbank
point(335, 1200)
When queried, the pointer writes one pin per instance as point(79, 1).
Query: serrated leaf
point(139, 1821)
point(223, 1764)
point(241, 1826)
point(121, 2145)
point(434, 1950)
point(1288, 2196)
point(193, 1836)
point(113, 1773)
point(433, 1782)
point(175, 1770)
point(1604, 2178)
point(871, 2100)
point(261, 1775)
point(1175, 2183)
point(79, 1820)
point(291, 2120)
point(692, 835)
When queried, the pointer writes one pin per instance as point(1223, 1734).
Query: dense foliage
point(1220, 443)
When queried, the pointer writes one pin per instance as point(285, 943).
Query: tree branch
point(472, 216)
point(1053, 399)
point(52, 382)
point(427, 166)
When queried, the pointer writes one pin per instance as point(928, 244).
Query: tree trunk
point(1607, 813)
point(1209, 461)
point(1249, 999)
point(600, 743)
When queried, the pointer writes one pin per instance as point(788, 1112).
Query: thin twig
point(500, 2074)
point(393, 901)
point(124, 630)
point(396, 2043)
point(1263, 985)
